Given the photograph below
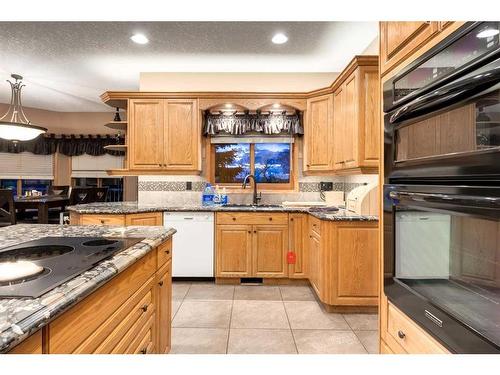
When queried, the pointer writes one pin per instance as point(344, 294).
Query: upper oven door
point(451, 132)
point(442, 261)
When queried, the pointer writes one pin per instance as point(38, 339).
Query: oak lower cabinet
point(130, 314)
point(400, 335)
point(355, 121)
point(141, 219)
point(251, 247)
point(343, 258)
point(234, 251)
point(32, 345)
point(164, 135)
point(298, 246)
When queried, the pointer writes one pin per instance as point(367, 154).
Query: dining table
point(41, 204)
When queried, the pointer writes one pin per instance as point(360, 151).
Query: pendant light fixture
point(14, 125)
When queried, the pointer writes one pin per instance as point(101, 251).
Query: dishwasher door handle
point(189, 218)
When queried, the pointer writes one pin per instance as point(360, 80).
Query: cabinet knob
point(255, 231)
point(160, 283)
point(308, 165)
point(249, 231)
point(270, 219)
point(234, 219)
point(144, 351)
point(144, 308)
point(401, 334)
point(291, 219)
point(102, 221)
point(167, 251)
point(159, 165)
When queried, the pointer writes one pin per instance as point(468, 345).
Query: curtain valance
point(69, 145)
point(237, 124)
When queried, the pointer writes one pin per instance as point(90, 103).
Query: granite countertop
point(135, 207)
point(21, 317)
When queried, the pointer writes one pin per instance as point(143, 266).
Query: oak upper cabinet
point(355, 120)
point(298, 235)
point(270, 246)
point(400, 39)
point(145, 134)
point(234, 251)
point(164, 135)
point(318, 134)
point(182, 135)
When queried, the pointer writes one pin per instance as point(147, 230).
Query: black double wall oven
point(442, 190)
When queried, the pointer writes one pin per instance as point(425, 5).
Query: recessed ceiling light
point(139, 39)
point(487, 33)
point(279, 38)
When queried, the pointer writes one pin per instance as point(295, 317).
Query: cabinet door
point(164, 306)
point(400, 39)
point(234, 251)
point(298, 245)
point(144, 219)
point(315, 274)
point(182, 135)
point(351, 123)
point(355, 266)
point(339, 128)
point(270, 244)
point(145, 134)
point(319, 134)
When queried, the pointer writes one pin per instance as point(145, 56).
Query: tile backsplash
point(174, 189)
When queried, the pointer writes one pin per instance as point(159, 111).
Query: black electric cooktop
point(33, 268)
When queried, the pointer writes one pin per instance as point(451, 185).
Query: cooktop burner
point(33, 268)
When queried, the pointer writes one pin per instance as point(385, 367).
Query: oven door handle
point(453, 92)
point(467, 200)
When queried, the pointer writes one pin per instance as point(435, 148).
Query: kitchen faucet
point(256, 197)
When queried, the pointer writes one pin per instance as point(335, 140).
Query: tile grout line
point(182, 301)
point(353, 331)
point(288, 320)
point(230, 320)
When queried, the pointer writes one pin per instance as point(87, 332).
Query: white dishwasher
point(193, 244)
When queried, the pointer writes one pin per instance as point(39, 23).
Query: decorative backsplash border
point(306, 187)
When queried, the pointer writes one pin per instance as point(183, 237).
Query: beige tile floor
point(219, 319)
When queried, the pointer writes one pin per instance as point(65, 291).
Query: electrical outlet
point(326, 186)
point(189, 185)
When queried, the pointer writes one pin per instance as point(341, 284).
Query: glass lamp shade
point(12, 131)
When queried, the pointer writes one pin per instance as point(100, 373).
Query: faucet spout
point(256, 197)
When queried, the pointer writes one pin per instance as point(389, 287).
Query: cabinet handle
point(144, 308)
point(291, 219)
point(167, 251)
point(234, 219)
point(144, 351)
point(308, 165)
point(160, 283)
point(401, 334)
point(255, 231)
point(102, 221)
point(159, 165)
point(249, 232)
point(270, 219)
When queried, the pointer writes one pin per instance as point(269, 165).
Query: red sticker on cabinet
point(291, 257)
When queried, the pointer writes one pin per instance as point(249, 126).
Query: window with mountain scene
point(270, 163)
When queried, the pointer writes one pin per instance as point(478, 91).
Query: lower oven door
point(442, 262)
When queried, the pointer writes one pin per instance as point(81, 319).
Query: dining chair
point(7, 208)
point(59, 190)
point(80, 195)
point(99, 194)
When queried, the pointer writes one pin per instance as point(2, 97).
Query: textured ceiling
point(67, 65)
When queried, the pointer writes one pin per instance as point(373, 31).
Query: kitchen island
point(99, 310)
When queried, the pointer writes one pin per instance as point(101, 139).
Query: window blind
point(94, 166)
point(26, 165)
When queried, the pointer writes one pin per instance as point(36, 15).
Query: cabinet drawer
point(164, 252)
point(407, 334)
point(109, 334)
point(314, 226)
point(141, 341)
point(103, 220)
point(250, 218)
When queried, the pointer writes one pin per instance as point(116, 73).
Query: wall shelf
point(116, 148)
